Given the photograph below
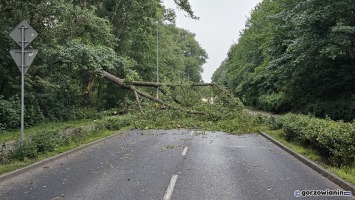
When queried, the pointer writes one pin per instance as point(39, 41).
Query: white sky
point(218, 27)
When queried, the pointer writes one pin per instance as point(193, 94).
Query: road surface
point(170, 164)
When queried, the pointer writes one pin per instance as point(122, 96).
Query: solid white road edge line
point(170, 189)
point(184, 151)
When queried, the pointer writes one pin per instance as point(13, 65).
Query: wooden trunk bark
point(121, 83)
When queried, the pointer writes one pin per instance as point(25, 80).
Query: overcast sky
point(218, 27)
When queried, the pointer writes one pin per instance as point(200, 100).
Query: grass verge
point(47, 140)
point(56, 126)
point(345, 172)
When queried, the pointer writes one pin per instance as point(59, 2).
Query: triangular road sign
point(25, 68)
point(29, 57)
point(29, 33)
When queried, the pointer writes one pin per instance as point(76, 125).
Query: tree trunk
point(152, 84)
point(121, 83)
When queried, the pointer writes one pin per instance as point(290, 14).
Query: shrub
point(335, 141)
point(46, 141)
point(343, 109)
point(275, 102)
point(49, 140)
point(9, 113)
point(26, 150)
point(42, 142)
point(114, 122)
point(2, 127)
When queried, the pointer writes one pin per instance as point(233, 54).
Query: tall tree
point(79, 38)
point(297, 55)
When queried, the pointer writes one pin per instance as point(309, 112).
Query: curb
point(28, 168)
point(332, 177)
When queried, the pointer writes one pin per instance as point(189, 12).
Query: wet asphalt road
point(174, 164)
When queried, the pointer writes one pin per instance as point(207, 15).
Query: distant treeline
point(296, 55)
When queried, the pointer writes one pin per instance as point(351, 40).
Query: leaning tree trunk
point(121, 83)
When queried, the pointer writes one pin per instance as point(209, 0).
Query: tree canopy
point(75, 39)
point(296, 55)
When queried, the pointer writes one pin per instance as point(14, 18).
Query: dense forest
point(295, 55)
point(78, 37)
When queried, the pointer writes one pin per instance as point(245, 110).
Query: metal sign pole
point(23, 35)
point(22, 83)
point(157, 58)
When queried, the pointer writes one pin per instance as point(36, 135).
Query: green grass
point(87, 137)
point(15, 134)
point(15, 165)
point(82, 141)
point(5, 168)
point(346, 172)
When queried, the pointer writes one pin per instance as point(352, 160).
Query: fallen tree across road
point(121, 83)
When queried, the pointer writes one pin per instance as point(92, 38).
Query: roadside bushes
point(54, 140)
point(335, 141)
point(342, 109)
point(41, 143)
point(9, 113)
point(27, 150)
point(275, 102)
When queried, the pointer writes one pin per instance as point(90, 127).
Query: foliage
point(220, 75)
point(238, 123)
point(43, 142)
point(295, 55)
point(342, 109)
point(49, 141)
point(28, 150)
point(115, 122)
point(9, 113)
point(76, 40)
point(335, 141)
point(219, 111)
point(181, 53)
point(185, 5)
point(274, 102)
point(345, 172)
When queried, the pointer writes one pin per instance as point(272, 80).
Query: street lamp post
point(157, 58)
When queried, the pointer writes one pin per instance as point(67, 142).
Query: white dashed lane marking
point(184, 151)
point(170, 189)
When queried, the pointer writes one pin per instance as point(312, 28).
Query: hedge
point(335, 141)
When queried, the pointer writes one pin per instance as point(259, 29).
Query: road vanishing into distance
point(170, 164)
